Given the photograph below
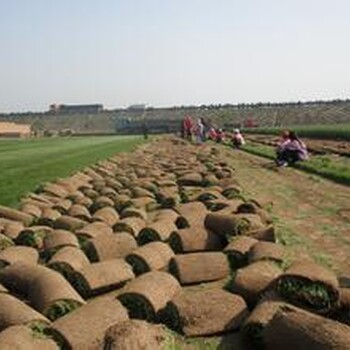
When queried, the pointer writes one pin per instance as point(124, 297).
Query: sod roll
point(134, 212)
point(85, 327)
point(62, 205)
point(60, 238)
point(110, 246)
point(32, 210)
point(25, 338)
point(55, 190)
point(5, 242)
point(156, 231)
point(204, 312)
point(150, 257)
point(266, 233)
point(16, 312)
point(267, 251)
point(251, 281)
point(191, 214)
point(190, 179)
point(69, 223)
point(342, 311)
point(195, 239)
point(136, 334)
point(49, 216)
point(298, 329)
point(199, 267)
point(15, 254)
point(147, 294)
point(232, 225)
point(80, 212)
point(33, 236)
point(12, 229)
point(130, 225)
point(237, 250)
point(102, 277)
point(94, 230)
point(309, 285)
point(16, 215)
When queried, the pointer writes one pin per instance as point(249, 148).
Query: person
point(290, 151)
point(186, 127)
point(237, 139)
point(220, 135)
point(198, 131)
point(212, 134)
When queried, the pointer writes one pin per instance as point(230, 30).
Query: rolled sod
point(62, 205)
point(259, 318)
point(266, 233)
point(33, 236)
point(68, 260)
point(32, 210)
point(25, 338)
point(342, 310)
point(101, 202)
point(80, 212)
point(150, 257)
point(16, 215)
point(224, 206)
point(110, 246)
point(195, 239)
point(253, 208)
point(190, 179)
point(253, 280)
point(5, 242)
point(237, 250)
point(145, 203)
point(293, 328)
point(204, 312)
point(16, 254)
point(168, 197)
point(209, 195)
point(85, 327)
point(69, 223)
point(55, 190)
point(310, 286)
point(232, 225)
point(138, 192)
point(199, 267)
point(46, 290)
point(94, 230)
point(60, 238)
point(101, 277)
point(49, 216)
point(136, 334)
point(166, 214)
point(191, 214)
point(130, 225)
point(267, 251)
point(12, 229)
point(147, 294)
point(156, 231)
point(16, 312)
point(232, 192)
point(134, 212)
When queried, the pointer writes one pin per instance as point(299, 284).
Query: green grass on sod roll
point(61, 308)
point(27, 163)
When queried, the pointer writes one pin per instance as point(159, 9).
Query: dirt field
point(312, 213)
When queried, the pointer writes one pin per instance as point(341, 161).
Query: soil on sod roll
point(199, 267)
point(204, 312)
point(130, 225)
point(293, 328)
point(85, 327)
point(266, 233)
point(16, 215)
point(342, 311)
point(156, 231)
point(60, 238)
point(134, 212)
point(68, 260)
point(46, 290)
point(195, 239)
point(94, 230)
point(150, 257)
point(16, 254)
point(309, 285)
point(224, 206)
point(166, 214)
point(191, 214)
point(229, 225)
point(147, 294)
point(267, 251)
point(110, 246)
point(15, 312)
point(69, 223)
point(102, 277)
point(32, 210)
point(80, 212)
point(237, 250)
point(136, 334)
point(251, 281)
point(25, 338)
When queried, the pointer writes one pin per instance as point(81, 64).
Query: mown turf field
point(27, 163)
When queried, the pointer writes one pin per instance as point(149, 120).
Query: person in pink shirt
point(237, 139)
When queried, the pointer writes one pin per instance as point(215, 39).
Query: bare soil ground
point(315, 146)
point(312, 214)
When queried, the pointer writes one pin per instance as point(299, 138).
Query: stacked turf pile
point(97, 259)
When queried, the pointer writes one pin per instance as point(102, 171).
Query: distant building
point(137, 107)
point(9, 129)
point(76, 109)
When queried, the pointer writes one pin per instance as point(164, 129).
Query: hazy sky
point(172, 52)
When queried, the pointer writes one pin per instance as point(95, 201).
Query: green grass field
point(27, 163)
point(327, 132)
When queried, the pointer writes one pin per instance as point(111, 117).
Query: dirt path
point(311, 213)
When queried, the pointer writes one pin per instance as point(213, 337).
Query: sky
point(171, 52)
